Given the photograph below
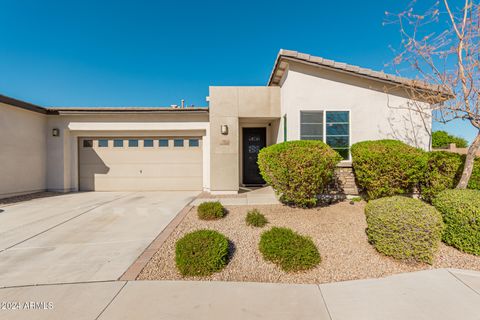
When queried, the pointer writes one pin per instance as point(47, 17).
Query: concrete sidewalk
point(434, 294)
point(258, 196)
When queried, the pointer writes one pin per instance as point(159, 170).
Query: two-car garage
point(140, 163)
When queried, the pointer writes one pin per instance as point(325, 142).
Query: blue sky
point(154, 53)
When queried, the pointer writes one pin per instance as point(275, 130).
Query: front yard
point(338, 231)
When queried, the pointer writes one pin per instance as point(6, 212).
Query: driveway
point(78, 237)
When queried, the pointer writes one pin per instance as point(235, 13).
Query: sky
point(155, 53)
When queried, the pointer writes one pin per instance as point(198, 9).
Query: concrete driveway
point(79, 237)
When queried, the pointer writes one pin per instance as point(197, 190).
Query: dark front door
point(254, 139)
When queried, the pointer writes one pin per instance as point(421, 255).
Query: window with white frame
point(331, 127)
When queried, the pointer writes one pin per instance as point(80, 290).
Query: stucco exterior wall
point(23, 151)
point(63, 150)
point(374, 114)
point(228, 105)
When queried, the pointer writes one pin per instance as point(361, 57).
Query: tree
point(442, 139)
point(441, 46)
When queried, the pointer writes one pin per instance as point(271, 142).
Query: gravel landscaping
point(337, 230)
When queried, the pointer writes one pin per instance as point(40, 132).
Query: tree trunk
point(469, 162)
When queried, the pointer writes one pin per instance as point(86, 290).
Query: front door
point(254, 139)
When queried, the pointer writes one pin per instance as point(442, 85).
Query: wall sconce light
point(55, 132)
point(224, 129)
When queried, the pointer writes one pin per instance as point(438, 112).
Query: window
point(132, 143)
point(335, 133)
point(163, 143)
point(178, 142)
point(117, 143)
point(311, 125)
point(193, 142)
point(284, 128)
point(148, 143)
point(338, 135)
point(103, 143)
point(87, 143)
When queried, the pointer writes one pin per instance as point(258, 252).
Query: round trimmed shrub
point(404, 228)
point(211, 210)
point(201, 253)
point(443, 171)
point(474, 182)
point(288, 249)
point(461, 213)
point(255, 218)
point(387, 167)
point(298, 170)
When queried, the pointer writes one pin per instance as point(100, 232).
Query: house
point(210, 148)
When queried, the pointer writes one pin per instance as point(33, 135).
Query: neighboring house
point(211, 148)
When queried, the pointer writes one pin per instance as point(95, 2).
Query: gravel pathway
point(337, 230)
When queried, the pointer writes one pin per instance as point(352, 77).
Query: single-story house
point(210, 148)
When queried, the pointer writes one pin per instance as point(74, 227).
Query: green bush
point(298, 170)
point(211, 210)
point(461, 214)
point(255, 218)
point(474, 182)
point(441, 139)
point(404, 228)
point(387, 167)
point(201, 253)
point(288, 249)
point(443, 171)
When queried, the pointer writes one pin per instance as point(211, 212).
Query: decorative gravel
point(338, 231)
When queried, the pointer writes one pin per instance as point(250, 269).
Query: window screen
point(311, 125)
point(147, 143)
point(117, 143)
point(163, 143)
point(103, 143)
point(178, 142)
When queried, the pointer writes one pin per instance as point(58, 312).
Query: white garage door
point(140, 164)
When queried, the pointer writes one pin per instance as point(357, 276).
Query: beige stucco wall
point(22, 151)
point(373, 113)
point(63, 150)
point(230, 106)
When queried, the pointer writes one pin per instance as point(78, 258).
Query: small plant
point(201, 253)
point(255, 218)
point(211, 210)
point(288, 249)
point(461, 213)
point(355, 199)
point(298, 170)
point(404, 228)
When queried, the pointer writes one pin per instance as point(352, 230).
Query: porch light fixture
point(55, 132)
point(224, 129)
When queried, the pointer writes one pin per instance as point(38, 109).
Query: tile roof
point(287, 55)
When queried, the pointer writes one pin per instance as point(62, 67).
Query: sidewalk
point(258, 196)
point(433, 294)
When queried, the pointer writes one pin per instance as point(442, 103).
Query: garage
point(140, 163)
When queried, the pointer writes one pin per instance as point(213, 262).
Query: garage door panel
point(140, 168)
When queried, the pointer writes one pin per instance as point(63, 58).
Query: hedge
point(461, 213)
point(441, 139)
point(404, 228)
point(298, 170)
point(201, 253)
point(288, 249)
point(442, 171)
point(387, 167)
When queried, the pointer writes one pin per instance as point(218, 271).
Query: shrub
point(404, 228)
point(288, 249)
point(255, 218)
point(211, 210)
point(387, 167)
point(443, 171)
point(474, 182)
point(201, 253)
point(441, 139)
point(298, 170)
point(461, 214)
